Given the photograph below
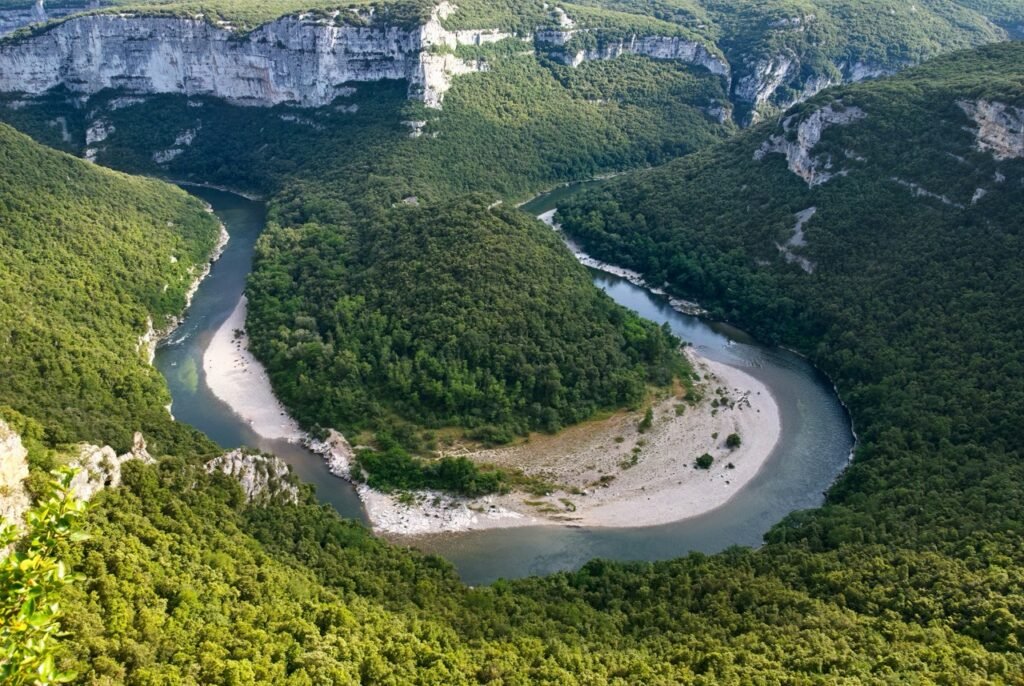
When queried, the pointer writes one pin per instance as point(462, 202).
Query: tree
point(704, 461)
point(733, 441)
point(31, 579)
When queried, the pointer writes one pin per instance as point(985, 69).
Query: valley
point(841, 179)
point(232, 408)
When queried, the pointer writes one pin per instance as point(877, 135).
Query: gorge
point(814, 446)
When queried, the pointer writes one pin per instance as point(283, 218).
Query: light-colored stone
point(302, 59)
point(100, 467)
point(799, 137)
point(14, 500)
point(262, 478)
point(1000, 127)
point(18, 18)
point(654, 47)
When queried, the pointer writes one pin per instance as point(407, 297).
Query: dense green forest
point(458, 314)
point(186, 583)
point(87, 256)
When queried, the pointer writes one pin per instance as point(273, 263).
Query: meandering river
point(814, 448)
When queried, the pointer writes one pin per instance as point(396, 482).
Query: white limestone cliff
point(1000, 127)
point(262, 478)
point(799, 138)
point(14, 499)
point(303, 59)
point(778, 80)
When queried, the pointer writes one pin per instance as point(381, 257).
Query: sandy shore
point(611, 474)
point(238, 379)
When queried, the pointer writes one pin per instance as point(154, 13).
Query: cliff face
point(780, 81)
point(799, 138)
point(100, 467)
point(17, 18)
point(655, 47)
point(307, 59)
point(297, 59)
point(262, 478)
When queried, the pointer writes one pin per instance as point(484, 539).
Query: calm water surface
point(814, 448)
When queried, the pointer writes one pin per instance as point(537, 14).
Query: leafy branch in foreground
point(30, 581)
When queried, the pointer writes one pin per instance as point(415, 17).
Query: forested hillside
point(187, 584)
point(903, 285)
point(88, 257)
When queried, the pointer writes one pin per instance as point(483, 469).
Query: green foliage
point(704, 461)
point(911, 573)
point(392, 469)
point(187, 583)
point(86, 257)
point(461, 315)
point(733, 441)
point(647, 421)
point(32, 577)
point(913, 310)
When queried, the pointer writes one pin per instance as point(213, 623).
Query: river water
point(814, 448)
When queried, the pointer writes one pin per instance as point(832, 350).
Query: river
point(814, 448)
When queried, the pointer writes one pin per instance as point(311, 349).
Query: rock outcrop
point(801, 133)
point(262, 478)
point(14, 499)
point(780, 81)
point(654, 47)
point(1000, 127)
point(100, 468)
point(303, 59)
point(336, 451)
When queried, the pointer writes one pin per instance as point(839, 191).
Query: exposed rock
point(182, 141)
point(719, 111)
point(797, 240)
point(654, 47)
point(920, 191)
point(336, 451)
point(763, 81)
point(62, 122)
point(417, 127)
point(122, 103)
point(262, 478)
point(1000, 127)
point(301, 59)
point(13, 19)
point(14, 499)
point(763, 78)
point(100, 468)
point(799, 138)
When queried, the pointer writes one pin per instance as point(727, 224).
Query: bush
point(705, 461)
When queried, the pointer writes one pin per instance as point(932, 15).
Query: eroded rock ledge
point(799, 136)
